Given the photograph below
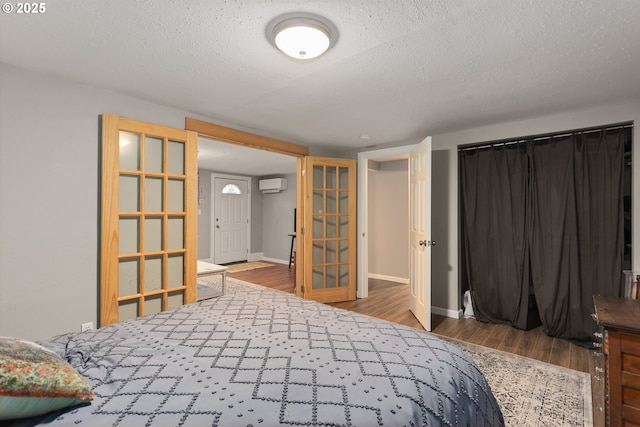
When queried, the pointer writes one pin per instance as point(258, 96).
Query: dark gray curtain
point(577, 227)
point(494, 192)
point(548, 215)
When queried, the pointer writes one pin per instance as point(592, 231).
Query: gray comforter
point(266, 358)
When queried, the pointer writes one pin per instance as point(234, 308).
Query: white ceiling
point(400, 70)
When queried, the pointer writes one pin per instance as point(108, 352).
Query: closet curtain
point(544, 216)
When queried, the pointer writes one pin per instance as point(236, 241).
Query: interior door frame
point(249, 181)
point(381, 155)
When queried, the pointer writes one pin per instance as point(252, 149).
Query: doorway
point(405, 203)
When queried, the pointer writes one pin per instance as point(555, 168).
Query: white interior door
point(420, 232)
point(230, 219)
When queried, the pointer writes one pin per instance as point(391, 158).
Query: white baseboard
point(388, 278)
point(455, 314)
point(277, 261)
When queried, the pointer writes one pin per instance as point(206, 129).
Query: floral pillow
point(35, 380)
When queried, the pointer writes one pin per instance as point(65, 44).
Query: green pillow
point(35, 380)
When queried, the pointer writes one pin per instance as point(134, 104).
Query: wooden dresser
point(619, 320)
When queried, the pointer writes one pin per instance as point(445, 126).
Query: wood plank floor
point(390, 301)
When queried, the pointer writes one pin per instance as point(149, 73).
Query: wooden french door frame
point(177, 216)
point(326, 229)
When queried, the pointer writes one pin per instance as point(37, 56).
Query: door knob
point(422, 243)
point(432, 243)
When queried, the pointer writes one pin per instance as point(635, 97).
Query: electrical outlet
point(86, 326)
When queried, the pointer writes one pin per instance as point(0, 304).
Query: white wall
point(445, 265)
point(388, 220)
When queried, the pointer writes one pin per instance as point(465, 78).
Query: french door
point(148, 218)
point(326, 234)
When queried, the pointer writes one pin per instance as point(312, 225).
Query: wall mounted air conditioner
point(272, 185)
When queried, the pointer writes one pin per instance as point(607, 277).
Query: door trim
point(213, 212)
point(394, 153)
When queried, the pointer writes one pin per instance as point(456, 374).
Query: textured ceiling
point(401, 69)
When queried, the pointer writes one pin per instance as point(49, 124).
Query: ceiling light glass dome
point(302, 36)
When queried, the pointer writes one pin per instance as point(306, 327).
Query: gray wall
point(388, 220)
point(277, 215)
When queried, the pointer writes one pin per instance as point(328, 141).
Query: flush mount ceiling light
point(302, 36)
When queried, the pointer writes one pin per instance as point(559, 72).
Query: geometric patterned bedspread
point(267, 358)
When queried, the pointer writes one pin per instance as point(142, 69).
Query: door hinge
point(302, 289)
point(302, 230)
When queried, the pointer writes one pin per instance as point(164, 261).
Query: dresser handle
point(599, 369)
point(598, 335)
point(597, 344)
point(594, 316)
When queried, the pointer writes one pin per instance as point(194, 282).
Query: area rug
point(533, 393)
point(244, 266)
point(530, 392)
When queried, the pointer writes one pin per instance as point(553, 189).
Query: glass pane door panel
point(344, 251)
point(318, 253)
point(330, 255)
point(343, 279)
point(129, 232)
point(152, 234)
point(176, 158)
point(331, 226)
point(331, 177)
point(176, 195)
point(343, 178)
point(175, 299)
point(127, 310)
point(153, 195)
point(176, 271)
point(129, 151)
point(344, 202)
point(154, 154)
point(331, 276)
point(318, 201)
point(152, 274)
point(128, 277)
point(129, 194)
point(331, 202)
point(176, 233)
point(317, 277)
point(318, 177)
point(318, 227)
point(153, 304)
point(344, 225)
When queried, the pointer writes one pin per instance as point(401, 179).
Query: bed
point(258, 357)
